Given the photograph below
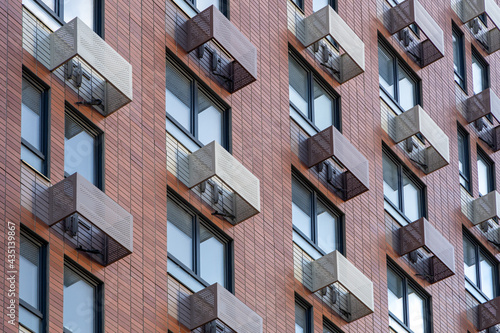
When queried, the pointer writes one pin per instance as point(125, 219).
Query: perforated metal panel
point(486, 207)
point(422, 234)
point(331, 143)
point(216, 303)
point(488, 314)
point(76, 39)
point(326, 22)
point(409, 12)
point(417, 121)
point(105, 225)
point(334, 269)
point(211, 24)
point(213, 160)
point(482, 104)
point(468, 10)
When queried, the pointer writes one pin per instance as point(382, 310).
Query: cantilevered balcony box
point(352, 287)
point(421, 234)
point(482, 104)
point(331, 143)
point(488, 314)
point(76, 40)
point(410, 12)
point(470, 10)
point(416, 121)
point(326, 22)
point(93, 222)
point(213, 161)
point(211, 24)
point(486, 207)
point(216, 303)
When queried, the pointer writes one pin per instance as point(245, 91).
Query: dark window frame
point(491, 168)
point(58, 14)
point(44, 155)
point(403, 169)
point(399, 63)
point(462, 77)
point(223, 6)
point(330, 326)
point(309, 312)
point(312, 77)
point(467, 156)
point(480, 250)
point(485, 65)
point(409, 282)
point(195, 84)
point(228, 242)
point(43, 278)
point(98, 285)
point(98, 134)
point(317, 196)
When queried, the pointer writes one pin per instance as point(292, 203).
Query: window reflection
point(470, 261)
point(406, 90)
point(210, 120)
point(178, 97)
point(323, 108)
point(411, 199)
point(390, 171)
point(386, 71)
point(484, 175)
point(416, 310)
point(300, 319)
point(212, 255)
point(79, 301)
point(487, 277)
point(395, 294)
point(84, 9)
point(180, 234)
point(327, 226)
point(298, 86)
point(301, 208)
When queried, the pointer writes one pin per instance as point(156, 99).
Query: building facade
point(234, 166)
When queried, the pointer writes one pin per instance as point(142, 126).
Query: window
point(464, 158)
point(485, 176)
point(480, 72)
point(193, 7)
point(481, 271)
point(192, 109)
point(458, 57)
point(329, 327)
point(402, 190)
point(311, 99)
point(409, 307)
point(314, 219)
point(32, 282)
point(396, 80)
point(197, 247)
point(318, 4)
point(303, 316)
point(35, 124)
point(82, 301)
point(299, 3)
point(82, 148)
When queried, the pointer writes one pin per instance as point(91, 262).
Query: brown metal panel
point(211, 24)
point(482, 104)
point(331, 143)
point(489, 314)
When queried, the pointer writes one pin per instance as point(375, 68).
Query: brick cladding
point(139, 295)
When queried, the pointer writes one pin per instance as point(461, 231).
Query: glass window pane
point(31, 109)
point(323, 108)
point(478, 75)
point(180, 234)
point(487, 277)
point(483, 176)
point(79, 301)
point(298, 86)
point(300, 319)
point(209, 120)
point(411, 196)
point(461, 154)
point(386, 71)
point(406, 90)
point(457, 53)
point(327, 229)
point(79, 150)
point(84, 9)
point(318, 4)
point(470, 261)
point(301, 208)
point(49, 3)
point(390, 171)
point(395, 292)
point(416, 310)
point(178, 97)
point(29, 274)
point(29, 320)
point(32, 159)
point(204, 4)
point(212, 254)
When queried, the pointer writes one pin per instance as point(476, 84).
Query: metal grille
point(103, 226)
point(213, 160)
point(486, 207)
point(76, 39)
point(483, 104)
point(331, 143)
point(216, 303)
point(422, 234)
point(489, 314)
point(36, 38)
point(211, 24)
point(350, 284)
point(410, 12)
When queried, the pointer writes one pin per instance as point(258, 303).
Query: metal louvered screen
point(489, 314)
point(326, 22)
point(331, 143)
point(211, 24)
point(417, 121)
point(103, 226)
point(482, 104)
point(486, 207)
point(410, 12)
point(75, 39)
point(216, 303)
point(422, 234)
point(213, 160)
point(350, 283)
